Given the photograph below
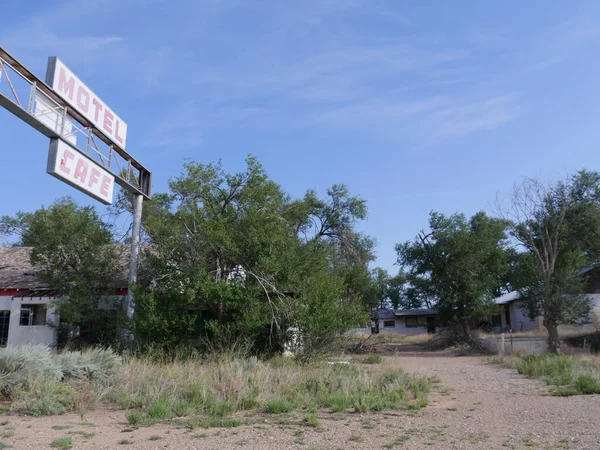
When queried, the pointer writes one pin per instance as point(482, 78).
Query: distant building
point(407, 321)
point(514, 317)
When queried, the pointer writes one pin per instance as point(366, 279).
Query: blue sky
point(416, 106)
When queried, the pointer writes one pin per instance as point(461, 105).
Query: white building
point(26, 314)
point(407, 321)
point(25, 317)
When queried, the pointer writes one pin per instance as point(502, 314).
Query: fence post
point(502, 343)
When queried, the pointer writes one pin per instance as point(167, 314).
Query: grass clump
point(134, 417)
point(63, 443)
point(159, 410)
point(312, 421)
point(84, 434)
point(372, 359)
point(278, 406)
point(569, 374)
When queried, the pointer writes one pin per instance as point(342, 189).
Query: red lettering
point(82, 92)
point(108, 121)
point(65, 87)
point(63, 161)
point(99, 108)
point(94, 177)
point(104, 186)
point(117, 137)
point(81, 170)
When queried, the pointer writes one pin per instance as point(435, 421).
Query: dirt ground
point(475, 405)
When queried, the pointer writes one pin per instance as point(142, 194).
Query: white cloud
point(480, 115)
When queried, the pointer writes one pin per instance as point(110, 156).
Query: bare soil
point(474, 405)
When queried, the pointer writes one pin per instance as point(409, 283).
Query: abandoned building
point(26, 314)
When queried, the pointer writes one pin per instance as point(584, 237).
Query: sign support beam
point(138, 204)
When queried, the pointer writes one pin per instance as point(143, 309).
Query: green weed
point(63, 443)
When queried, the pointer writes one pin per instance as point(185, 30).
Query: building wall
point(519, 320)
point(34, 334)
point(401, 326)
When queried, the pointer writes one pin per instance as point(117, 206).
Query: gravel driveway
point(474, 405)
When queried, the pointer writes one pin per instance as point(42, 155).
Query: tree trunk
point(467, 332)
point(553, 337)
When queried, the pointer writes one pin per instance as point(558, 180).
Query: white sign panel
point(76, 169)
point(51, 115)
point(83, 100)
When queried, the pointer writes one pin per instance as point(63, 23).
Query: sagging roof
point(17, 272)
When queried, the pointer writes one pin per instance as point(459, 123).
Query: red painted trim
point(13, 292)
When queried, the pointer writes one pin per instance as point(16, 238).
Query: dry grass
point(213, 388)
point(218, 387)
point(361, 342)
point(569, 374)
point(564, 331)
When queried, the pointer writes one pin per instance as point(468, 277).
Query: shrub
point(586, 384)
point(92, 364)
point(21, 366)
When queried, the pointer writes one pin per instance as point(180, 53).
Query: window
point(4, 323)
point(389, 324)
point(411, 322)
point(32, 315)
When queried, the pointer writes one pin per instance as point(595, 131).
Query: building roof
point(392, 313)
point(414, 312)
point(17, 272)
point(506, 298)
point(514, 295)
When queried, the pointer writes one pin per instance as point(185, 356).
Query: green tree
point(558, 226)
point(71, 247)
point(235, 258)
point(456, 267)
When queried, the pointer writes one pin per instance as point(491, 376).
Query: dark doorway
point(4, 323)
point(431, 325)
point(507, 317)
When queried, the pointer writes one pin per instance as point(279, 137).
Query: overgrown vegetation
point(567, 374)
point(205, 392)
point(234, 262)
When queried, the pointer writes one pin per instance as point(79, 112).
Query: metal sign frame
point(128, 172)
point(43, 109)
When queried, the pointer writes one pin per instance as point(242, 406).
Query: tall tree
point(558, 226)
point(245, 261)
point(456, 266)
